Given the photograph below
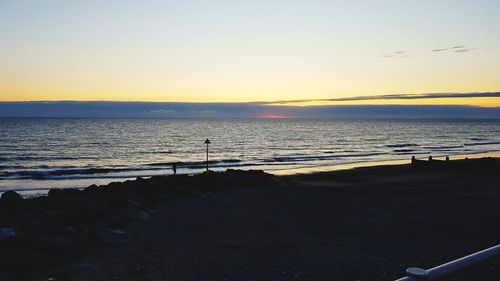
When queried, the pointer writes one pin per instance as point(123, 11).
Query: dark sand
point(360, 224)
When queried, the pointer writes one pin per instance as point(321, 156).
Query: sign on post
point(207, 142)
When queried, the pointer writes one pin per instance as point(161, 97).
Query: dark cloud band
point(398, 97)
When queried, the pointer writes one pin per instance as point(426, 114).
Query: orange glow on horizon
point(272, 116)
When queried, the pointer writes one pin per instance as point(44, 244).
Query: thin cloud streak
point(396, 97)
point(440, 50)
point(396, 54)
point(462, 50)
point(454, 49)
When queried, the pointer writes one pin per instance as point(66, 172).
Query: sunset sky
point(247, 51)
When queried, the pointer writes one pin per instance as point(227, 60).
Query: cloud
point(162, 111)
point(236, 110)
point(396, 54)
point(255, 109)
point(203, 111)
point(462, 50)
point(398, 97)
point(454, 49)
point(422, 96)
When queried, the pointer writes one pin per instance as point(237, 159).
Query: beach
point(368, 223)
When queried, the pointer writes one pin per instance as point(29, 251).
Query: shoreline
point(35, 192)
point(354, 165)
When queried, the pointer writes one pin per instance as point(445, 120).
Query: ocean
point(39, 154)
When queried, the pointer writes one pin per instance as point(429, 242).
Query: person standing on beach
point(174, 168)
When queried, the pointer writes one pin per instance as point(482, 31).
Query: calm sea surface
point(53, 153)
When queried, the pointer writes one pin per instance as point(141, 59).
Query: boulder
point(20, 259)
point(95, 191)
point(250, 177)
point(10, 198)
point(88, 210)
point(59, 246)
point(76, 235)
point(133, 214)
point(11, 238)
point(63, 193)
point(138, 271)
point(113, 237)
point(7, 233)
point(91, 188)
point(39, 223)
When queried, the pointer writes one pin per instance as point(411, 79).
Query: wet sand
point(360, 224)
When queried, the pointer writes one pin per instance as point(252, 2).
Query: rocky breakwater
point(37, 234)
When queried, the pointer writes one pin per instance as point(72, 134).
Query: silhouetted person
point(430, 158)
point(174, 168)
point(413, 160)
point(447, 158)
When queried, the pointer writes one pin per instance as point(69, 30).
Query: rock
point(7, 233)
point(59, 275)
point(89, 210)
point(59, 246)
point(11, 238)
point(232, 245)
point(76, 235)
point(135, 203)
point(249, 177)
point(114, 237)
point(10, 198)
point(153, 211)
point(63, 193)
point(115, 222)
point(134, 214)
point(4, 276)
point(39, 223)
point(142, 215)
point(21, 259)
point(92, 188)
point(138, 271)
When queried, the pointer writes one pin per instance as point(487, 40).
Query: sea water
point(38, 154)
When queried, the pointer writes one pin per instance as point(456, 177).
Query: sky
point(234, 51)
